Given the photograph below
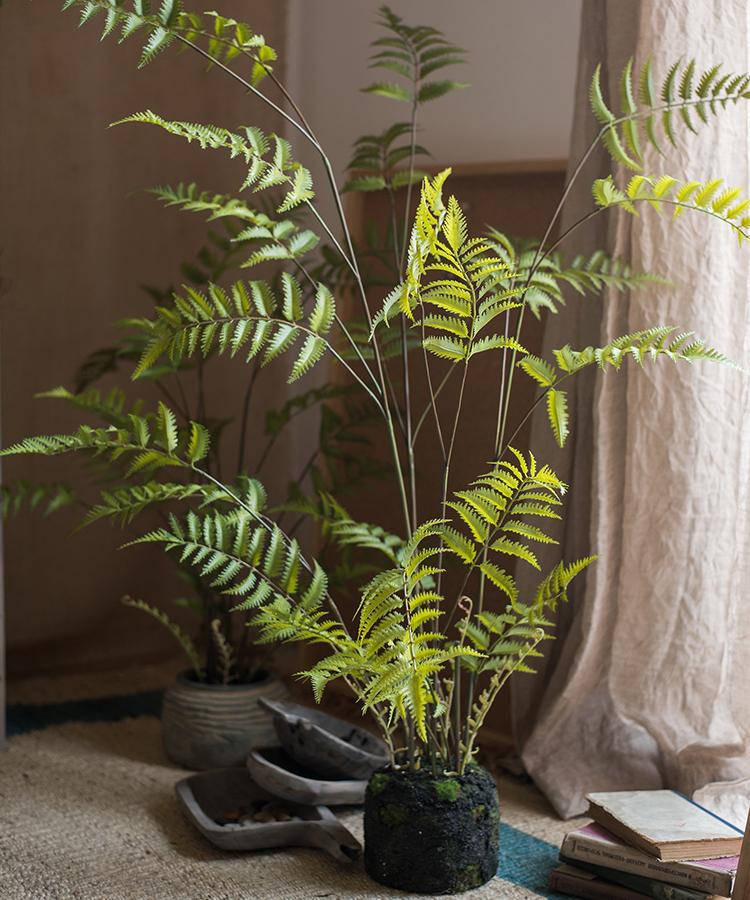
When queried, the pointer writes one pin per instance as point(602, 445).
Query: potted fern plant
point(442, 625)
point(211, 717)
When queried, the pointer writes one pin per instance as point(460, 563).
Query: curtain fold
point(646, 684)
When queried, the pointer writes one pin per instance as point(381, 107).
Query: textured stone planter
point(431, 835)
point(210, 726)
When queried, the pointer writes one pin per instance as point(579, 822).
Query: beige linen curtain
point(648, 684)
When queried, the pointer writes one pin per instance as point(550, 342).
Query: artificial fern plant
point(442, 624)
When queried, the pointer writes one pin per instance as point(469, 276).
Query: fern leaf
point(48, 497)
point(224, 652)
point(445, 348)
point(324, 310)
point(199, 442)
point(167, 424)
point(557, 411)
point(312, 350)
point(679, 95)
point(538, 369)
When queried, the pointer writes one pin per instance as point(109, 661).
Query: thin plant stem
point(340, 322)
point(412, 149)
point(451, 445)
point(172, 400)
point(404, 346)
point(501, 396)
point(245, 414)
point(349, 258)
point(456, 711)
point(183, 395)
point(431, 407)
point(470, 687)
point(447, 464)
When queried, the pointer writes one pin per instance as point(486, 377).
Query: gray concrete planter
point(209, 726)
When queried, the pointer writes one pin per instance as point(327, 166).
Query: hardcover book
point(665, 824)
point(594, 844)
point(644, 887)
point(566, 879)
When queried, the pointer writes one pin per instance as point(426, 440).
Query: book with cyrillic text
point(594, 844)
point(566, 879)
point(643, 887)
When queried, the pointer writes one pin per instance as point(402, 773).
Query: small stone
point(263, 816)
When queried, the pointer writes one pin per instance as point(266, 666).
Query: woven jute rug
point(88, 812)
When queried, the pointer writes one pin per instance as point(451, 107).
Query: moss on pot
point(431, 835)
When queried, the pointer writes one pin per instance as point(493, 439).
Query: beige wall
point(522, 61)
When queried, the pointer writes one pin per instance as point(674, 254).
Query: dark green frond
point(249, 317)
point(268, 158)
point(48, 498)
point(220, 37)
point(270, 239)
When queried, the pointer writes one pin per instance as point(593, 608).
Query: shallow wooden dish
point(285, 778)
point(326, 745)
point(206, 796)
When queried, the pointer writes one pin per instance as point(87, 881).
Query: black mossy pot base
point(431, 835)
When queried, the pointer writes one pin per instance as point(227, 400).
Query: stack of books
point(653, 844)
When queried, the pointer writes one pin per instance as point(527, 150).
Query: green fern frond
point(224, 652)
point(249, 316)
point(712, 198)
point(151, 442)
point(459, 285)
point(412, 52)
point(648, 115)
point(545, 278)
point(271, 239)
point(241, 555)
point(346, 532)
point(125, 503)
point(177, 633)
point(650, 344)
point(220, 37)
point(22, 494)
point(268, 158)
point(111, 407)
point(641, 346)
point(554, 588)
